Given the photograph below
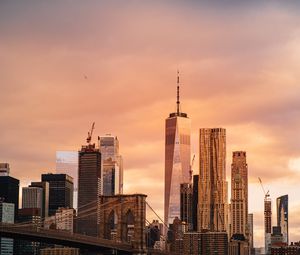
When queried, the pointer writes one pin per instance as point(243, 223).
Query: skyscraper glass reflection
point(177, 159)
point(283, 216)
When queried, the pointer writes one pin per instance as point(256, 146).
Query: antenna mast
point(178, 101)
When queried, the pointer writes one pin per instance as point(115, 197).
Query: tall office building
point(32, 197)
point(213, 196)
point(251, 233)
point(283, 216)
point(177, 159)
point(9, 191)
point(268, 223)
point(186, 201)
point(6, 216)
point(239, 194)
point(112, 165)
point(195, 201)
point(89, 189)
point(4, 169)
point(67, 163)
point(60, 191)
point(45, 199)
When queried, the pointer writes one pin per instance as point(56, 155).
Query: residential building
point(239, 194)
point(213, 195)
point(282, 206)
point(64, 219)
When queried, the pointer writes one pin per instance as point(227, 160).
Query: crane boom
point(90, 133)
point(191, 168)
point(267, 194)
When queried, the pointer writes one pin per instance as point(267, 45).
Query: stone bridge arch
point(122, 218)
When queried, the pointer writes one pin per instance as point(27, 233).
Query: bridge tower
point(122, 218)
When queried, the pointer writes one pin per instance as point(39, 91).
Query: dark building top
point(9, 191)
point(60, 191)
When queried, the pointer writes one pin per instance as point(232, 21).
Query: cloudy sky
point(239, 64)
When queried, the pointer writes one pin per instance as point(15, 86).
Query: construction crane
point(90, 133)
point(267, 194)
point(191, 168)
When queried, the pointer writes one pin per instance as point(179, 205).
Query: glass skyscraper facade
point(213, 190)
point(60, 191)
point(177, 159)
point(283, 216)
point(67, 163)
point(112, 165)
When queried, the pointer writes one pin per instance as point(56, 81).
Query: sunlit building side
point(177, 159)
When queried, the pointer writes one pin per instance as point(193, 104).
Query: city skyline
point(228, 84)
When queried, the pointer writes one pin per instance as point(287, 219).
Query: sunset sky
point(65, 64)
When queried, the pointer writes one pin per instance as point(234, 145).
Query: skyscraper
point(212, 202)
point(268, 223)
point(45, 200)
point(283, 216)
point(60, 191)
point(32, 197)
point(239, 194)
point(195, 201)
point(112, 165)
point(177, 159)
point(186, 201)
point(9, 191)
point(6, 216)
point(251, 233)
point(67, 163)
point(89, 189)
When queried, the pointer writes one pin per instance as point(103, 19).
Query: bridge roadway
point(64, 238)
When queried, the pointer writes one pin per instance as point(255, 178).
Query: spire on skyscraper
point(178, 101)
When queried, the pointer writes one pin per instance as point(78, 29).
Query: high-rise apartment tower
point(239, 194)
point(212, 202)
point(283, 216)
